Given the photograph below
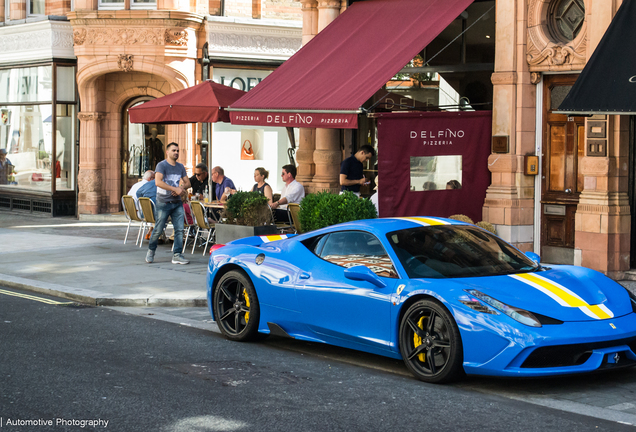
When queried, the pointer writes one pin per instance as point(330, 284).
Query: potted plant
point(245, 214)
point(325, 209)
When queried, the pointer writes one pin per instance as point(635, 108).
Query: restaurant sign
point(295, 119)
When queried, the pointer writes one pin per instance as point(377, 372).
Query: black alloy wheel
point(430, 343)
point(236, 306)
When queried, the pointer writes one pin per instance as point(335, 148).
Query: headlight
point(520, 315)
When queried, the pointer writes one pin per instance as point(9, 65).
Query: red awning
point(326, 82)
point(202, 103)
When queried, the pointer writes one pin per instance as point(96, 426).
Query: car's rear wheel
point(236, 307)
point(430, 343)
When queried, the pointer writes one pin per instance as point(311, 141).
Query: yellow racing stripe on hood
point(563, 295)
point(271, 238)
point(425, 221)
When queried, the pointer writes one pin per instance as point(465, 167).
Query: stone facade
point(526, 50)
point(126, 54)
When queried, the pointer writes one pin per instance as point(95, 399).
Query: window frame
point(29, 13)
point(324, 238)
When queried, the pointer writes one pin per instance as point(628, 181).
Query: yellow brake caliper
point(417, 341)
point(247, 303)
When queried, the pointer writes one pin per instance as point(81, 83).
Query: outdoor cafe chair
point(186, 227)
point(130, 210)
point(294, 214)
point(201, 222)
point(148, 209)
point(282, 226)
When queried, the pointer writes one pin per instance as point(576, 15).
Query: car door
point(344, 311)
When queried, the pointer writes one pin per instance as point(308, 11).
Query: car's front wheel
point(430, 343)
point(236, 307)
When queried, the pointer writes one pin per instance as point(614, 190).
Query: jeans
point(176, 213)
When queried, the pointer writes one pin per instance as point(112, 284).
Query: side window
point(352, 248)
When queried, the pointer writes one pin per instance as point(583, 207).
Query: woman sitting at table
point(260, 175)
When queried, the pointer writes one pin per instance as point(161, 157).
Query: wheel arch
point(218, 275)
point(407, 304)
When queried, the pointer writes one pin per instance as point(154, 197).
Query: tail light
point(215, 247)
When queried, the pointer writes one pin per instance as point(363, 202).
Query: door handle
point(568, 191)
point(304, 275)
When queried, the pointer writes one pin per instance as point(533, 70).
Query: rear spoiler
point(260, 240)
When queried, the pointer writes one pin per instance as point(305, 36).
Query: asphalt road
point(69, 363)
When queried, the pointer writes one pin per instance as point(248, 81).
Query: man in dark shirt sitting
point(199, 180)
point(352, 170)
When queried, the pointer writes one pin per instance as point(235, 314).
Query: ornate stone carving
point(125, 62)
point(40, 39)
point(535, 77)
point(79, 36)
point(253, 43)
point(556, 55)
point(91, 116)
point(177, 37)
point(543, 51)
point(89, 180)
point(122, 36)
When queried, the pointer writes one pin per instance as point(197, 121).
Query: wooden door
point(563, 148)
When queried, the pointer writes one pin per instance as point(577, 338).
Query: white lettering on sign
point(632, 79)
point(445, 133)
point(291, 118)
point(239, 117)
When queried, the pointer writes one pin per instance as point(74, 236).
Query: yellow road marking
point(30, 297)
point(564, 296)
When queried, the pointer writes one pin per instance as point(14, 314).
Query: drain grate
point(236, 373)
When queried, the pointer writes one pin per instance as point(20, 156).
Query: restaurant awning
point(202, 103)
point(326, 82)
point(607, 84)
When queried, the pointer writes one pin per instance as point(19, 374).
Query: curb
point(96, 298)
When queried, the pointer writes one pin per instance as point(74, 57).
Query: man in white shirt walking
point(293, 192)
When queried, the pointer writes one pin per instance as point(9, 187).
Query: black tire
point(236, 307)
point(430, 343)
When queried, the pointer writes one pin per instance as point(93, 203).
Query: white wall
point(270, 152)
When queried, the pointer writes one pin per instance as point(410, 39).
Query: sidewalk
point(88, 262)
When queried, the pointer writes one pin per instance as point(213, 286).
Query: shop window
point(27, 137)
point(436, 172)
point(65, 88)
point(64, 147)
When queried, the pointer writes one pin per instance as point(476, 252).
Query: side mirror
point(363, 273)
point(534, 257)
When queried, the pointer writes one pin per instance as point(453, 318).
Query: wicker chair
point(294, 213)
point(201, 222)
point(148, 209)
point(130, 210)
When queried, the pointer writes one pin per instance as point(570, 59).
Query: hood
point(566, 293)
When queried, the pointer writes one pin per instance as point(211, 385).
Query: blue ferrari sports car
point(446, 297)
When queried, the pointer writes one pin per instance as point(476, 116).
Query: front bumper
point(568, 348)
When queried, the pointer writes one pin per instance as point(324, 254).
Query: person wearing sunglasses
point(199, 180)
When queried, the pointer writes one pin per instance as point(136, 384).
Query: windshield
point(451, 251)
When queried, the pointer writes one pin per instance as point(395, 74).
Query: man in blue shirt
point(168, 174)
point(222, 182)
point(352, 170)
point(148, 190)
